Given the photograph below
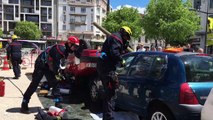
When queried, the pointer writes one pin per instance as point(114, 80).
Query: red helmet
point(73, 39)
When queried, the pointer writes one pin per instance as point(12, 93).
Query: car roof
point(163, 53)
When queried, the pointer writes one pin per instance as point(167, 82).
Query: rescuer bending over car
point(48, 64)
point(110, 57)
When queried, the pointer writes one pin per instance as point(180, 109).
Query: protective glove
point(59, 77)
point(123, 63)
point(63, 63)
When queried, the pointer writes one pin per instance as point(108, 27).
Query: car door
point(138, 75)
point(142, 82)
point(122, 76)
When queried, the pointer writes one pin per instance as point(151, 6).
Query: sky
point(139, 4)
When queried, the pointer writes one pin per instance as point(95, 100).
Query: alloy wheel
point(158, 116)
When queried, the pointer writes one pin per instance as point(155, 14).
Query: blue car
point(165, 86)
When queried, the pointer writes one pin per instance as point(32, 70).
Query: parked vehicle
point(165, 86)
point(206, 113)
point(83, 72)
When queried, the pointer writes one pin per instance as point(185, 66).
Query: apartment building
point(75, 17)
point(38, 11)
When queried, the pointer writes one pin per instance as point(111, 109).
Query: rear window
point(198, 68)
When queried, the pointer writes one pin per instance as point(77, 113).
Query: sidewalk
point(10, 103)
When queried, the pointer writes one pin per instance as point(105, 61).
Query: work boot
point(15, 78)
point(24, 108)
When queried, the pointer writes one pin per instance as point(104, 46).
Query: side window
point(142, 66)
point(198, 68)
point(123, 70)
point(159, 67)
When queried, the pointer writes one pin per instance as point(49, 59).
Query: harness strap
point(59, 50)
point(57, 47)
point(46, 56)
point(117, 38)
point(15, 44)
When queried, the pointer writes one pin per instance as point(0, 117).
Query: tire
point(1, 60)
point(160, 113)
point(93, 100)
point(95, 87)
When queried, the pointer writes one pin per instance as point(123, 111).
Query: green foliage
point(124, 17)
point(27, 30)
point(170, 20)
point(1, 32)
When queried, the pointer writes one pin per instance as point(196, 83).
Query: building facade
point(75, 17)
point(204, 9)
point(38, 11)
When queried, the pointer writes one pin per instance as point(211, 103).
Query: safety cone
point(6, 64)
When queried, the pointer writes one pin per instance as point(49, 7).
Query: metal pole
point(206, 31)
point(108, 6)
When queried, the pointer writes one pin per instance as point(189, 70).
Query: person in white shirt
point(159, 49)
point(141, 47)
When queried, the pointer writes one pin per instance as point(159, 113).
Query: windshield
point(198, 68)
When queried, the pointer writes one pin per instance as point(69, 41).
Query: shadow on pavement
point(29, 76)
point(93, 107)
point(17, 110)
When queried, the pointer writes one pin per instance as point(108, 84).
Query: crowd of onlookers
point(186, 48)
point(143, 48)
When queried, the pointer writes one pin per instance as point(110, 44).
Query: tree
point(27, 30)
point(170, 20)
point(124, 17)
point(1, 32)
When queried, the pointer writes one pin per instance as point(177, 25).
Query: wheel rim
point(93, 92)
point(158, 116)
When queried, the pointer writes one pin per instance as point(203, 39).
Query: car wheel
point(160, 113)
point(1, 60)
point(93, 100)
point(94, 89)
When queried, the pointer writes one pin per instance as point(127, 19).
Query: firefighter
point(48, 64)
point(110, 57)
point(14, 54)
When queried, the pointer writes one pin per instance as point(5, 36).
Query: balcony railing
point(46, 3)
point(77, 23)
point(14, 1)
point(28, 10)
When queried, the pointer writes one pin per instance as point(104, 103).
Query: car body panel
point(136, 93)
point(202, 90)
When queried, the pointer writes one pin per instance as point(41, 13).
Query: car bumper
point(187, 112)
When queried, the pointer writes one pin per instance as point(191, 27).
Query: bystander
point(14, 54)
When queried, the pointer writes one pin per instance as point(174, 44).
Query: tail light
point(187, 96)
